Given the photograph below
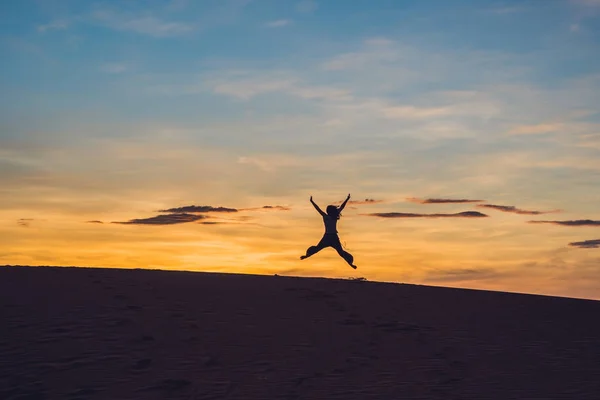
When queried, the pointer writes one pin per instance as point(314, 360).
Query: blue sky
point(112, 110)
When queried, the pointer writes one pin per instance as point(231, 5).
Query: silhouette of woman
point(330, 238)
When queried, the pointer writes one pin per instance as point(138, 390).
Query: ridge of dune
point(90, 333)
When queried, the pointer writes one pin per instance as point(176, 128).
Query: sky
point(189, 135)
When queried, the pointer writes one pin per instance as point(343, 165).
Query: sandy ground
point(78, 333)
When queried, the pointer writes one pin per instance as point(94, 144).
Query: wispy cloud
point(113, 68)
point(411, 112)
point(441, 201)
point(257, 162)
point(267, 208)
point(177, 5)
point(464, 214)
point(54, 25)
point(95, 221)
point(462, 274)
point(360, 202)
point(587, 244)
point(504, 10)
point(513, 209)
point(365, 201)
point(245, 86)
point(536, 129)
point(307, 6)
point(146, 25)
point(271, 163)
point(278, 23)
point(589, 3)
point(199, 209)
point(164, 219)
point(25, 222)
point(284, 208)
point(578, 222)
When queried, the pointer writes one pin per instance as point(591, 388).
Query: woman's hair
point(333, 212)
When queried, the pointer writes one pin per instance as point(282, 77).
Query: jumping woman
point(330, 238)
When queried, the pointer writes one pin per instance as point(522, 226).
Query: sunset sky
point(117, 116)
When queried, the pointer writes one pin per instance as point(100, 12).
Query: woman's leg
point(310, 251)
point(344, 254)
point(314, 249)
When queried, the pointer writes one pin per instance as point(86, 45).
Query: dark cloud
point(513, 209)
point(281, 208)
point(164, 219)
point(587, 244)
point(25, 222)
point(208, 209)
point(464, 214)
point(361, 202)
point(199, 209)
point(577, 222)
point(181, 215)
point(441, 201)
point(276, 208)
point(94, 222)
point(462, 274)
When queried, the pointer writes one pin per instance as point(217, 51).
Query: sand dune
point(78, 333)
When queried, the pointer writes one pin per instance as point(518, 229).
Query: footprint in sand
point(352, 322)
point(143, 363)
point(172, 385)
point(395, 326)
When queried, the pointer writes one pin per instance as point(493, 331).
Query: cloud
point(278, 23)
point(25, 222)
point(587, 244)
point(54, 25)
point(578, 222)
point(411, 112)
point(199, 209)
point(589, 3)
point(267, 208)
point(160, 21)
point(360, 202)
point(261, 164)
point(145, 25)
point(464, 214)
point(164, 219)
point(181, 215)
point(461, 274)
point(504, 10)
point(248, 88)
point(244, 86)
point(375, 52)
point(307, 6)
point(536, 129)
point(177, 5)
point(274, 162)
point(281, 208)
point(365, 201)
point(113, 68)
point(441, 201)
point(185, 214)
point(513, 209)
point(94, 222)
